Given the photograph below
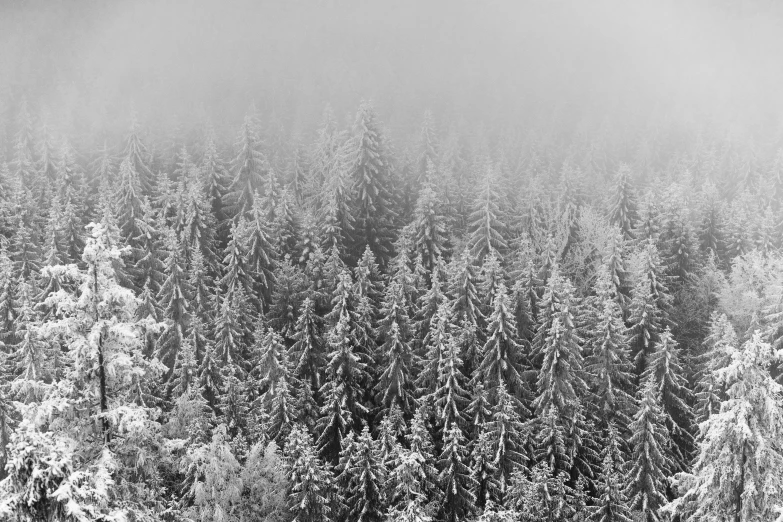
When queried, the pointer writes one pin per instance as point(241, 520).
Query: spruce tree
point(173, 300)
point(608, 365)
point(342, 409)
point(247, 169)
point(308, 350)
point(372, 202)
point(364, 476)
point(455, 478)
point(485, 224)
point(736, 473)
point(451, 397)
point(503, 362)
point(665, 370)
point(646, 480)
point(623, 206)
point(311, 492)
point(429, 228)
point(138, 159)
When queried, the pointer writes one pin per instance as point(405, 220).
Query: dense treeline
point(553, 327)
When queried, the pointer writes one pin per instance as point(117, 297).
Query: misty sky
point(485, 61)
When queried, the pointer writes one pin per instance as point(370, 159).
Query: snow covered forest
point(273, 318)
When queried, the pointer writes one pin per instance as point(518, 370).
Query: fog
point(87, 64)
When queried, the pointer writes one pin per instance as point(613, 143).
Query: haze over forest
point(497, 63)
point(402, 261)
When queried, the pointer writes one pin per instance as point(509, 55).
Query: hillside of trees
point(478, 324)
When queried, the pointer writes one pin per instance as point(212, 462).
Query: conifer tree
point(646, 481)
point(260, 256)
point(372, 203)
point(509, 437)
point(309, 499)
point(138, 159)
point(308, 350)
point(199, 222)
point(173, 300)
point(503, 362)
point(648, 312)
point(611, 504)
point(429, 227)
point(665, 370)
point(451, 397)
point(286, 298)
point(215, 176)
point(209, 374)
point(282, 410)
point(483, 469)
point(720, 343)
point(247, 169)
point(457, 483)
point(227, 330)
point(437, 344)
point(623, 206)
point(736, 472)
point(485, 224)
point(364, 475)
point(236, 272)
point(341, 390)
point(608, 365)
point(395, 385)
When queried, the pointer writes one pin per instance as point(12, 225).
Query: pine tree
point(736, 472)
point(646, 481)
point(236, 271)
point(282, 410)
point(247, 169)
point(372, 203)
point(364, 476)
point(623, 205)
point(227, 330)
point(209, 375)
point(665, 370)
point(457, 483)
point(485, 226)
point(286, 298)
point(719, 344)
point(199, 222)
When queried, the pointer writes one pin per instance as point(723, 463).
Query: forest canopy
point(430, 273)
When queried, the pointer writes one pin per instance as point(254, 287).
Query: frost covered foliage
point(484, 326)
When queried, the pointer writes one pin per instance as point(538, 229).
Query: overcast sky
point(482, 59)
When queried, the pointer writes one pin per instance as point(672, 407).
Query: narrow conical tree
point(308, 350)
point(483, 470)
point(342, 391)
point(364, 475)
point(247, 169)
point(623, 207)
point(137, 156)
point(395, 385)
point(509, 437)
point(646, 481)
point(503, 361)
point(215, 176)
point(485, 224)
point(665, 370)
point(455, 478)
point(173, 300)
point(451, 397)
point(429, 227)
point(372, 196)
point(310, 483)
point(259, 257)
point(609, 365)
